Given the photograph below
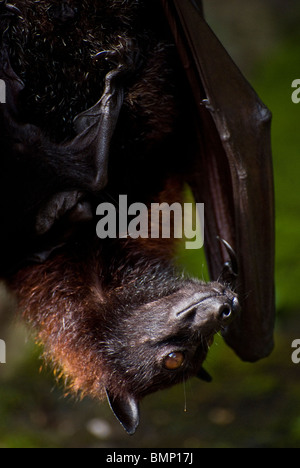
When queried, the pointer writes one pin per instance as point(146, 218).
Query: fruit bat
point(131, 97)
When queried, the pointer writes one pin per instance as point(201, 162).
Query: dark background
point(246, 405)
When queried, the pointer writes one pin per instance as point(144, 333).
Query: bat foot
point(70, 204)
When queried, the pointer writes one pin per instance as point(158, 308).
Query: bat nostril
point(225, 312)
point(229, 310)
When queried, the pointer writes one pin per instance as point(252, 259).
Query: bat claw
point(125, 57)
point(208, 105)
point(230, 268)
point(8, 9)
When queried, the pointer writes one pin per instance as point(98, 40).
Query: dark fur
point(115, 336)
point(104, 310)
point(64, 76)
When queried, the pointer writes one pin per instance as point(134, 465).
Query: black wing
point(233, 174)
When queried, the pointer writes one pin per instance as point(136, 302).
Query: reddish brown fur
point(68, 297)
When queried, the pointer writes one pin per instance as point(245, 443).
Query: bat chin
point(209, 341)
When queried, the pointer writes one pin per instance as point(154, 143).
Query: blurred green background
point(246, 405)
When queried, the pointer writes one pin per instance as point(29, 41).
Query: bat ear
point(204, 375)
point(126, 410)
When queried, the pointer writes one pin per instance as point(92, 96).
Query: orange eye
point(174, 360)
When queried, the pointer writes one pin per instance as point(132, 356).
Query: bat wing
point(233, 174)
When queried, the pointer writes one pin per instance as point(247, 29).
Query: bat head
point(163, 343)
point(148, 330)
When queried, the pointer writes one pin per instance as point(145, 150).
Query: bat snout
point(216, 313)
point(210, 314)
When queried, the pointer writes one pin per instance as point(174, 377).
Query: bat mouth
point(210, 341)
point(205, 342)
point(205, 318)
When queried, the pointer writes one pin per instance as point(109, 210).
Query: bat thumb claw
point(230, 268)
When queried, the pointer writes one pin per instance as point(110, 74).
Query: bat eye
point(174, 360)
